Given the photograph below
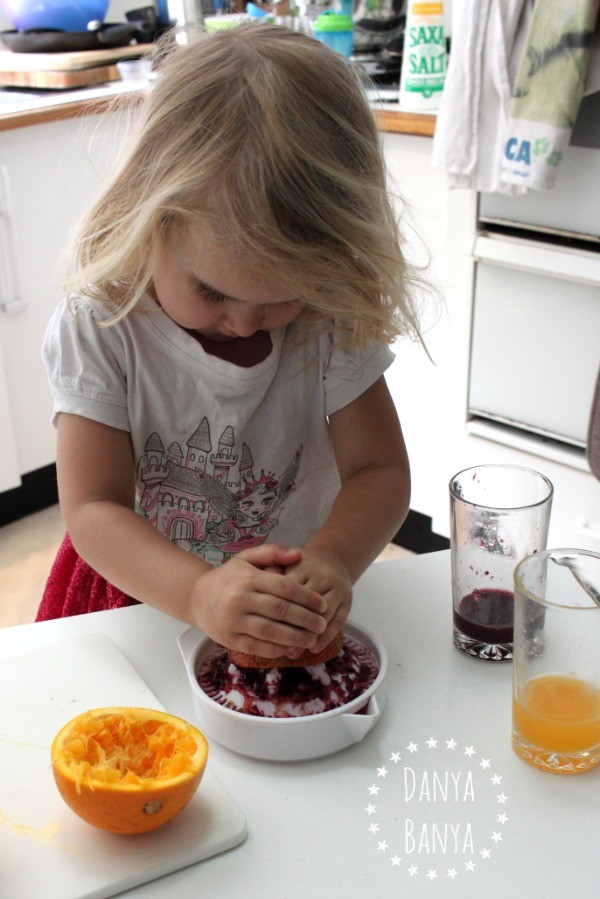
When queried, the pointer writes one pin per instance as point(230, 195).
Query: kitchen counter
point(390, 118)
point(20, 109)
point(432, 802)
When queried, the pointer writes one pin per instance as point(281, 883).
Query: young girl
point(228, 451)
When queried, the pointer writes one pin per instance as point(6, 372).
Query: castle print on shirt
point(210, 503)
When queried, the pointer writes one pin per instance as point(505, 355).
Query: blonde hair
point(263, 137)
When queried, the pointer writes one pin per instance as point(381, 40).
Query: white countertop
point(19, 108)
point(357, 823)
point(15, 100)
point(25, 100)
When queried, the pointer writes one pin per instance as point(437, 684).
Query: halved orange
point(128, 770)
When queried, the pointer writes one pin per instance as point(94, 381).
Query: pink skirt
point(73, 588)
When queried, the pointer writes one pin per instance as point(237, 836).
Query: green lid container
point(333, 21)
point(213, 24)
point(336, 30)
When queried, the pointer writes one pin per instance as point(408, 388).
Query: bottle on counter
point(424, 58)
point(336, 30)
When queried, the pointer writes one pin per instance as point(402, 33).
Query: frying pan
point(52, 40)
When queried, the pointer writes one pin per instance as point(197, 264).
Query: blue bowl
point(66, 15)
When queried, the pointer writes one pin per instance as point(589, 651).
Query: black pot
point(51, 40)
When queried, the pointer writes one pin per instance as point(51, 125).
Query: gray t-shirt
point(226, 457)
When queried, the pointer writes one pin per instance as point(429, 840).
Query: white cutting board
point(45, 849)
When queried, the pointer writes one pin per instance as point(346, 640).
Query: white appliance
point(535, 334)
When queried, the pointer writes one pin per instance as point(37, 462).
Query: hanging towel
point(548, 90)
point(473, 114)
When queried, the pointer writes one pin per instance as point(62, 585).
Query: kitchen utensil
point(46, 849)
point(64, 14)
point(556, 672)
point(498, 515)
point(146, 23)
point(147, 14)
point(52, 40)
point(569, 560)
point(285, 739)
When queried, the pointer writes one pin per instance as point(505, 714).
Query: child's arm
point(370, 507)
point(238, 604)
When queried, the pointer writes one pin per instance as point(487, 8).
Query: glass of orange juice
point(556, 668)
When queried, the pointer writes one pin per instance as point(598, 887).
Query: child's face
point(212, 292)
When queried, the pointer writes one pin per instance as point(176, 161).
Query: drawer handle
point(573, 265)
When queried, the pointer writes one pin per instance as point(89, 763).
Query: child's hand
point(324, 572)
point(244, 606)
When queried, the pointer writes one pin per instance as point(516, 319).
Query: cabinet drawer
point(535, 350)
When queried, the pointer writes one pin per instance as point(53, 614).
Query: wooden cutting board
point(67, 62)
point(60, 80)
point(46, 850)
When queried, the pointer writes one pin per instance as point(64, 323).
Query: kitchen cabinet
point(49, 174)
point(432, 396)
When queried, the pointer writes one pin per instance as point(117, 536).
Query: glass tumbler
point(498, 515)
point(556, 672)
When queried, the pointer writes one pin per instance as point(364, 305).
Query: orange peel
point(128, 770)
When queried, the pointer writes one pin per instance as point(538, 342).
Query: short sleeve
point(85, 365)
point(350, 371)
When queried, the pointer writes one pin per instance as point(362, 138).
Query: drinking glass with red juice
point(498, 515)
